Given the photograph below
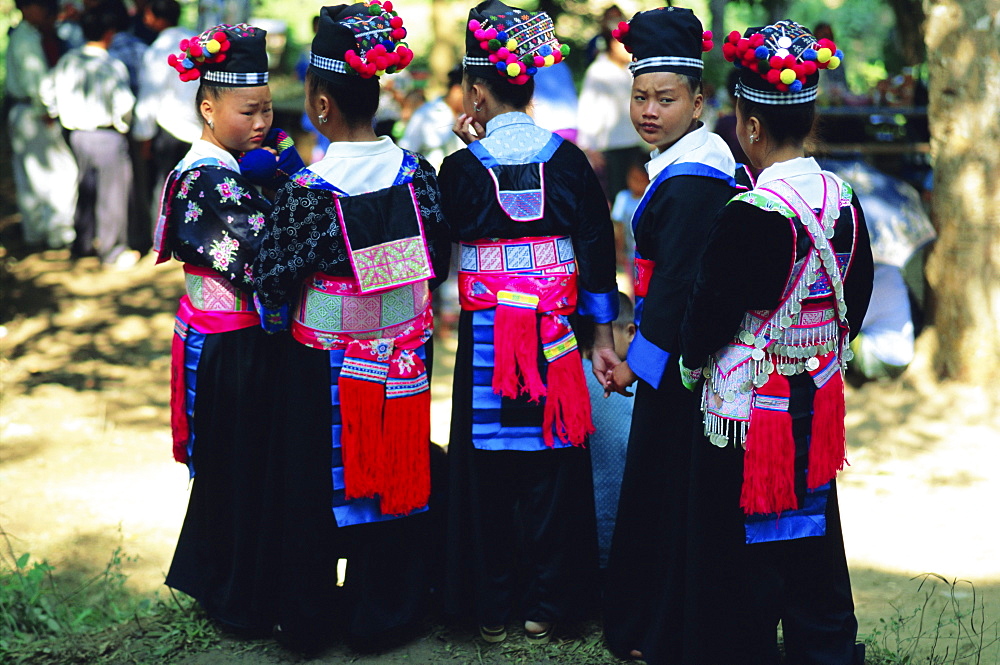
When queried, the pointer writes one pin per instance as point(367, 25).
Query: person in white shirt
point(165, 122)
point(429, 130)
point(89, 92)
point(604, 129)
point(43, 166)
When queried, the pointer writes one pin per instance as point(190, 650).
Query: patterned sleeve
point(435, 225)
point(302, 237)
point(217, 222)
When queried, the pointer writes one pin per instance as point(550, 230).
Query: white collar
point(788, 169)
point(202, 149)
point(89, 49)
point(700, 146)
point(355, 149)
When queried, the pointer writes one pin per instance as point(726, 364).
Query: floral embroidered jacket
point(214, 218)
point(304, 236)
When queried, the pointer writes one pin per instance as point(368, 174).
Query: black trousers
point(534, 539)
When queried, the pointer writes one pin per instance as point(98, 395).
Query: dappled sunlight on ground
point(85, 464)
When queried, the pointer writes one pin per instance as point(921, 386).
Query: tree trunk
point(910, 19)
point(445, 52)
point(963, 270)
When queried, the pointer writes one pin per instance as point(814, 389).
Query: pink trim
point(215, 322)
point(420, 225)
point(541, 183)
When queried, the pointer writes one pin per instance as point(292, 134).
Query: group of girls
point(300, 369)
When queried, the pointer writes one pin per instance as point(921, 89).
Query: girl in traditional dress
point(212, 219)
point(353, 248)
point(785, 266)
point(692, 176)
point(537, 242)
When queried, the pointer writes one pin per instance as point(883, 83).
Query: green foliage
point(948, 628)
point(35, 608)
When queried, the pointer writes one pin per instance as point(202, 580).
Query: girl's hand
point(467, 129)
point(620, 378)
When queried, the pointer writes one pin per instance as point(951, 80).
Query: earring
point(753, 138)
point(322, 119)
point(477, 108)
point(211, 125)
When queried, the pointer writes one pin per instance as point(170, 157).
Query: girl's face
point(241, 118)
point(662, 108)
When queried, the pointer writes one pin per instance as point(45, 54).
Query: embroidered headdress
point(231, 56)
point(779, 64)
point(510, 44)
point(667, 39)
point(363, 39)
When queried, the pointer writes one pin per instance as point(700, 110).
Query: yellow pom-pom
point(511, 44)
point(824, 54)
point(213, 46)
point(513, 70)
point(834, 63)
point(787, 76)
point(549, 60)
point(380, 72)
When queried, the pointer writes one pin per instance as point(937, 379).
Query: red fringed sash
point(769, 459)
point(828, 442)
point(519, 301)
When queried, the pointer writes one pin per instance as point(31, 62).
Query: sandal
point(493, 635)
point(540, 637)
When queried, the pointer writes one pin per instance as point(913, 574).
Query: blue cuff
point(272, 320)
point(602, 307)
point(647, 360)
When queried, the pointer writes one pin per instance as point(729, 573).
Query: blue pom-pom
point(502, 36)
point(532, 71)
point(187, 63)
point(258, 165)
point(839, 54)
point(761, 52)
point(795, 86)
point(389, 45)
point(501, 66)
point(545, 50)
point(809, 54)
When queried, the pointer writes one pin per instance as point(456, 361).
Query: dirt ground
point(85, 461)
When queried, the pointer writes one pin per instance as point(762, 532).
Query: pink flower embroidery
point(229, 191)
point(256, 222)
point(193, 212)
point(223, 251)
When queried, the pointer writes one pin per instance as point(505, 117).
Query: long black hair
point(785, 125)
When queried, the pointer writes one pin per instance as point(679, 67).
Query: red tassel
point(407, 435)
point(828, 443)
point(769, 458)
point(361, 405)
point(515, 349)
point(567, 406)
point(179, 426)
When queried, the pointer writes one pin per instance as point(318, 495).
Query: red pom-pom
point(381, 62)
point(733, 37)
point(773, 76)
point(226, 44)
point(754, 67)
point(396, 22)
point(742, 45)
point(220, 57)
point(775, 61)
point(557, 55)
point(484, 45)
point(729, 51)
point(707, 46)
point(809, 67)
point(756, 39)
point(623, 27)
point(195, 50)
point(399, 34)
point(617, 34)
point(172, 59)
point(220, 37)
point(789, 62)
point(493, 57)
point(539, 61)
point(520, 79)
point(474, 25)
point(782, 87)
point(183, 45)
